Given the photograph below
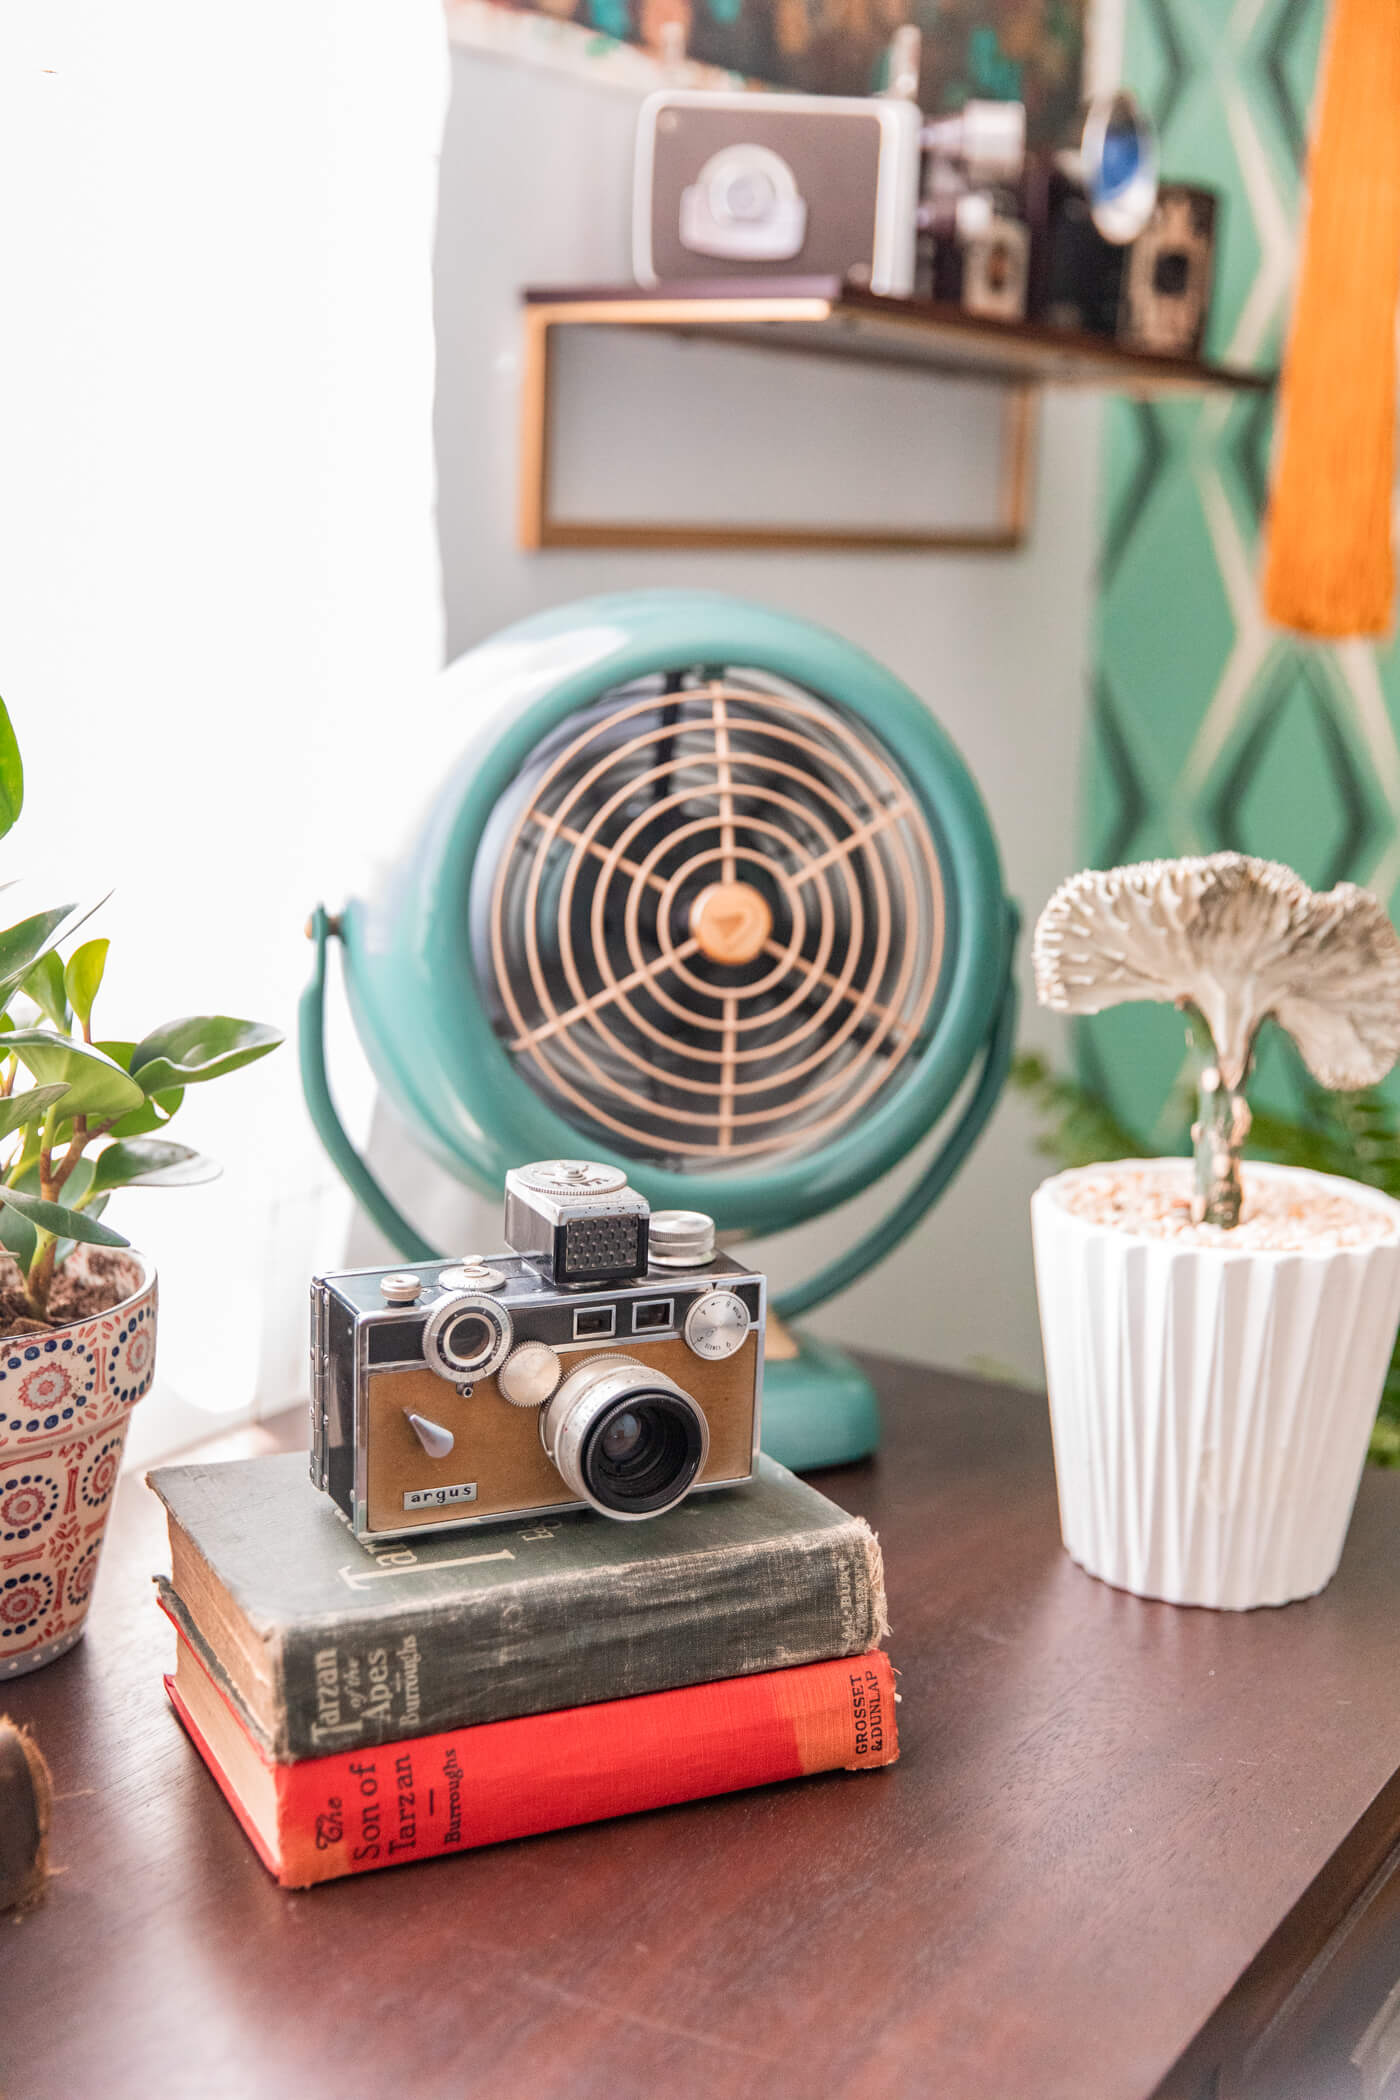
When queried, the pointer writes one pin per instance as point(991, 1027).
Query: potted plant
point(81, 1116)
point(1216, 1334)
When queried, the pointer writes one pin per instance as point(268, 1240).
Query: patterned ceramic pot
point(65, 1401)
point(1211, 1408)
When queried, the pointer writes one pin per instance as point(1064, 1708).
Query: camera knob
point(529, 1374)
point(717, 1324)
point(472, 1274)
point(436, 1440)
point(681, 1239)
point(401, 1288)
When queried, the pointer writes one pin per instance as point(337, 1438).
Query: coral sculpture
point(1232, 941)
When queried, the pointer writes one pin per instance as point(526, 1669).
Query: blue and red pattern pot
point(65, 1402)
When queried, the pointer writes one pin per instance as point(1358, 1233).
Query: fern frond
point(1080, 1129)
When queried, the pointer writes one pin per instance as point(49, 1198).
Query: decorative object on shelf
point(1086, 208)
point(1330, 567)
point(712, 898)
point(26, 1810)
point(974, 246)
point(80, 1118)
point(1216, 1342)
point(736, 186)
point(1165, 301)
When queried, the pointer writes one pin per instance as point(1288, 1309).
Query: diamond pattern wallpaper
point(1208, 727)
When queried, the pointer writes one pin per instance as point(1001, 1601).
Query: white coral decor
point(1211, 1409)
point(1211, 1393)
point(1240, 939)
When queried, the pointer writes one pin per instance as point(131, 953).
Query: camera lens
point(643, 1454)
point(748, 196)
point(625, 1437)
point(622, 1437)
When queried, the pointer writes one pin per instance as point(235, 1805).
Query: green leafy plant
point(1355, 1135)
point(82, 1115)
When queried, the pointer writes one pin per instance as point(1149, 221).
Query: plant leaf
point(151, 1115)
point(18, 1109)
point(43, 983)
point(98, 1087)
point(18, 1237)
point(152, 1163)
point(202, 1046)
point(64, 1248)
point(84, 975)
point(58, 1220)
point(21, 945)
point(11, 772)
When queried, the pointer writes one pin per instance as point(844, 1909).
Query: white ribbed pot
point(1211, 1409)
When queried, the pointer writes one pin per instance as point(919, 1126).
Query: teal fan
point(709, 895)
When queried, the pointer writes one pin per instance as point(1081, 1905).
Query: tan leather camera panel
point(498, 1446)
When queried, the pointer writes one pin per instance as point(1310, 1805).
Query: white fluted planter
point(1211, 1409)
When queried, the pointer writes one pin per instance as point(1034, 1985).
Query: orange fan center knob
point(731, 921)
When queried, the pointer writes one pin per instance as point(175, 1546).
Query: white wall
point(535, 178)
point(217, 557)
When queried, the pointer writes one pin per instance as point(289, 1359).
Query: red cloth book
point(428, 1795)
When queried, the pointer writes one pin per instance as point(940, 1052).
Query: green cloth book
point(326, 1644)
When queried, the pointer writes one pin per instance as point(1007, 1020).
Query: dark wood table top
point(1104, 1810)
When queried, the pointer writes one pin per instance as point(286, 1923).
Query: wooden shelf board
point(822, 315)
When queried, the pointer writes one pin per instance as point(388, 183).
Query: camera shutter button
point(529, 1374)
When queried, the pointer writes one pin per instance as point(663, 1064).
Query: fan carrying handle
point(947, 1161)
point(406, 1240)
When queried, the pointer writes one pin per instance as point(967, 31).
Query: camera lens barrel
point(625, 1437)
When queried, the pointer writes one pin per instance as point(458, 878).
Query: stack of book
point(364, 1706)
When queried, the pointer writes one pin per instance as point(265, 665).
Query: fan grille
point(716, 921)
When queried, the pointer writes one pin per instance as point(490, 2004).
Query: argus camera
point(610, 1358)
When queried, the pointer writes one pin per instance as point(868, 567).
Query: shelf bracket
point(740, 320)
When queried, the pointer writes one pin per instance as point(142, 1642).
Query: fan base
point(818, 1408)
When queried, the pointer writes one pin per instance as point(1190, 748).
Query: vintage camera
point(974, 246)
point(610, 1358)
point(1086, 204)
point(729, 186)
point(1166, 284)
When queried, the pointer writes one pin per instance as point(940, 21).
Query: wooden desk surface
point(1103, 1811)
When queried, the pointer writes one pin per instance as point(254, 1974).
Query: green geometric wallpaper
point(1208, 727)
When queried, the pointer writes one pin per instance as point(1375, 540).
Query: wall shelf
point(822, 317)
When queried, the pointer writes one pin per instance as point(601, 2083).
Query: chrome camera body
point(609, 1358)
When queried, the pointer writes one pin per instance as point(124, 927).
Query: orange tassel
point(1330, 568)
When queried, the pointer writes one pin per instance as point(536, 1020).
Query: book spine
point(453, 1791)
point(582, 1637)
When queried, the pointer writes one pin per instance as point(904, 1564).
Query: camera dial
point(717, 1324)
point(466, 1336)
point(471, 1274)
point(624, 1437)
point(570, 1177)
point(529, 1374)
